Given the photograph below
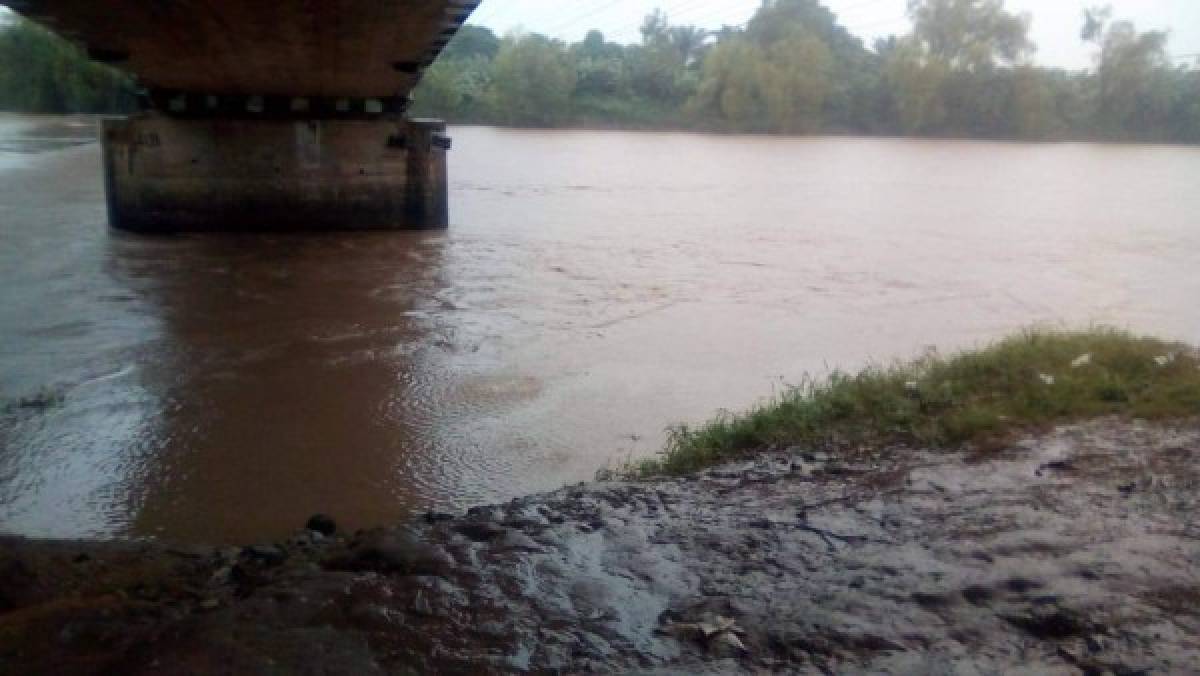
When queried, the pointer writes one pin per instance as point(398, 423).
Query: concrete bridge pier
point(166, 173)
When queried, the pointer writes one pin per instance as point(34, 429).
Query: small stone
point(1051, 623)
point(1057, 465)
point(372, 616)
point(727, 644)
point(977, 594)
point(517, 540)
point(1021, 585)
point(434, 517)
point(221, 575)
point(210, 604)
point(395, 552)
point(267, 554)
point(323, 524)
point(421, 605)
point(481, 531)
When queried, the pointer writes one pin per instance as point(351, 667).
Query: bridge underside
point(268, 115)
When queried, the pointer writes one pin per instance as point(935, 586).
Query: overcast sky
point(1056, 23)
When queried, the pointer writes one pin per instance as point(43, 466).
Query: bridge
point(287, 114)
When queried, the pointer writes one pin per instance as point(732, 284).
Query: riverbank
point(1073, 550)
point(980, 397)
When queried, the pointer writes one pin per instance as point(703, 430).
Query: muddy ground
point(1076, 551)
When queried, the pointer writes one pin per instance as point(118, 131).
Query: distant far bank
point(89, 119)
point(605, 127)
point(965, 71)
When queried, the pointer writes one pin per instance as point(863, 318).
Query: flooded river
point(593, 287)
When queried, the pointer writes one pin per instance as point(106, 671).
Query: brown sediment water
point(593, 287)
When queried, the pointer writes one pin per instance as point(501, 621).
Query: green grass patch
point(1031, 380)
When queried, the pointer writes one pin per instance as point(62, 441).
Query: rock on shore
point(1076, 551)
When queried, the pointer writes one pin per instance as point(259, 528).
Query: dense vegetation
point(42, 73)
point(964, 70)
point(1032, 379)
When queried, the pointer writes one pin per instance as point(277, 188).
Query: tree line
point(42, 73)
point(965, 70)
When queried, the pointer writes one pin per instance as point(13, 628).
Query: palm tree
point(688, 42)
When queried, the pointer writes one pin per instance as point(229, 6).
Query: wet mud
point(1073, 551)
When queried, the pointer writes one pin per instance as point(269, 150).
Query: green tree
point(688, 42)
point(915, 82)
point(472, 41)
point(794, 80)
point(600, 69)
point(1134, 76)
point(944, 77)
point(657, 69)
point(853, 72)
point(458, 85)
point(729, 92)
point(972, 35)
point(456, 89)
point(1033, 114)
point(42, 73)
point(776, 75)
point(1185, 115)
point(533, 79)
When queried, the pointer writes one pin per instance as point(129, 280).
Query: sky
point(1055, 29)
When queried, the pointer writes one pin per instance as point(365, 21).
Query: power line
point(496, 10)
point(705, 17)
point(683, 12)
point(683, 8)
point(861, 5)
point(679, 14)
point(875, 24)
point(699, 6)
point(557, 30)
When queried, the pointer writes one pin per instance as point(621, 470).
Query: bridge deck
point(331, 48)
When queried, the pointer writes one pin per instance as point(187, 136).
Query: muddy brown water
point(594, 287)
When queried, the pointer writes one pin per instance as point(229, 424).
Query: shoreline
point(841, 134)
